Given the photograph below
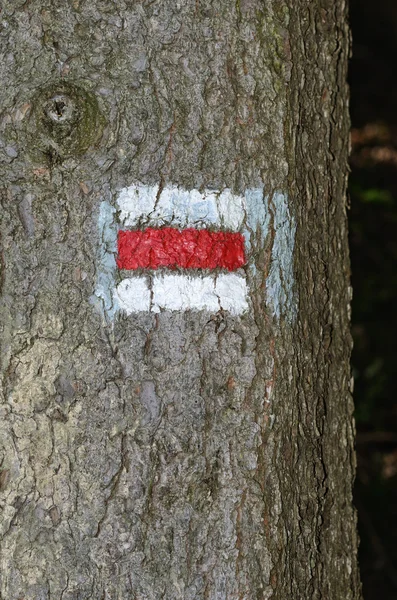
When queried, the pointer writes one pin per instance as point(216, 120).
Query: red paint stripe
point(186, 248)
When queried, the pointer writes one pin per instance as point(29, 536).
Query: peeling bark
point(194, 454)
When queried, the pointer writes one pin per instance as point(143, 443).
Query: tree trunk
point(162, 439)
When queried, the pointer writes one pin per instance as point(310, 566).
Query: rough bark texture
point(174, 455)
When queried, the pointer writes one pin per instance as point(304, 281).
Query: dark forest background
point(373, 244)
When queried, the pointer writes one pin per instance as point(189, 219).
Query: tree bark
point(192, 454)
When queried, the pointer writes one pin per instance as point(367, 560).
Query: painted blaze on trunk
point(211, 236)
point(172, 425)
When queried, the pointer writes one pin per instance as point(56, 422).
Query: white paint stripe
point(183, 292)
point(107, 268)
point(280, 284)
point(141, 205)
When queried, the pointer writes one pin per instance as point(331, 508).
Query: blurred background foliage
point(373, 245)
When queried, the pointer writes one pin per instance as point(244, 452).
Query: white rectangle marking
point(143, 205)
point(133, 295)
point(183, 292)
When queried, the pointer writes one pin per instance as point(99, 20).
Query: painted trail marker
point(170, 229)
point(177, 249)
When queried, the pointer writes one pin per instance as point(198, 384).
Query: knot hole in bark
point(66, 121)
point(60, 108)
